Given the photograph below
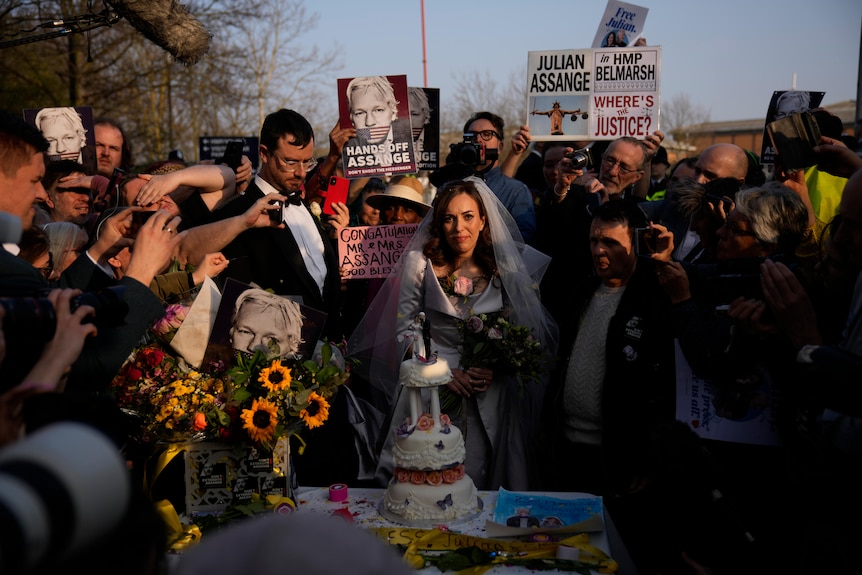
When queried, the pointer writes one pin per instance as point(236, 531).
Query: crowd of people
point(623, 265)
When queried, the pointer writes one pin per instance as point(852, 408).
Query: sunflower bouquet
point(260, 399)
point(277, 397)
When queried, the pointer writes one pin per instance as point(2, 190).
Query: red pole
point(424, 58)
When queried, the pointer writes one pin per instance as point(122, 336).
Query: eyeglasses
point(611, 162)
point(735, 229)
point(291, 166)
point(486, 135)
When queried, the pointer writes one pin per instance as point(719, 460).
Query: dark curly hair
point(438, 250)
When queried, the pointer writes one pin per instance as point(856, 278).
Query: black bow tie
point(295, 199)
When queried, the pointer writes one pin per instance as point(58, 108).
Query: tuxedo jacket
point(270, 258)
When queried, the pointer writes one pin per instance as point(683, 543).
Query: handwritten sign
point(366, 252)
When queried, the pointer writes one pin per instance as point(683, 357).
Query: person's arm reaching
point(213, 237)
point(520, 143)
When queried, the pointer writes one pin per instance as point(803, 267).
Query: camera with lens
point(35, 319)
point(724, 281)
point(581, 159)
point(470, 152)
point(65, 489)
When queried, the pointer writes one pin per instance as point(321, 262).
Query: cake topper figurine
point(421, 334)
point(426, 336)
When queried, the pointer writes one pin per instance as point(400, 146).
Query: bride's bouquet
point(491, 340)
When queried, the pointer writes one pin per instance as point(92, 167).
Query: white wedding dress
point(495, 444)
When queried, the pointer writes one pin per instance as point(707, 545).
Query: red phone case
point(336, 192)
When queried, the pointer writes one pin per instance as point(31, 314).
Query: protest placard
point(377, 106)
point(70, 132)
point(366, 252)
point(625, 93)
point(745, 414)
point(558, 89)
point(782, 104)
point(621, 25)
point(593, 94)
point(425, 124)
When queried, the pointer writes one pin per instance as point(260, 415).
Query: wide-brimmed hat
point(405, 189)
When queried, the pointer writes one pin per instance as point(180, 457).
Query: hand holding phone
point(275, 214)
point(336, 191)
point(722, 205)
point(233, 154)
point(139, 218)
point(645, 241)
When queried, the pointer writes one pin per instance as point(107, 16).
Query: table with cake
point(429, 490)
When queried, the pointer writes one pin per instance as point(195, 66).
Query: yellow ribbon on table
point(417, 541)
point(165, 457)
point(179, 536)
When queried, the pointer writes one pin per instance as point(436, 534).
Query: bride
point(468, 235)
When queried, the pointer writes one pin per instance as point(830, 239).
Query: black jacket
point(639, 387)
point(270, 258)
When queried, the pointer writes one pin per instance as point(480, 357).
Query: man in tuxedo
point(292, 254)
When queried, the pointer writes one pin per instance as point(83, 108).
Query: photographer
point(125, 318)
point(49, 373)
point(750, 372)
point(479, 155)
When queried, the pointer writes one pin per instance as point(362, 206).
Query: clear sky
point(727, 55)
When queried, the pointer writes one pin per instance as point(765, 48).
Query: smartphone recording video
point(645, 241)
point(275, 216)
point(140, 218)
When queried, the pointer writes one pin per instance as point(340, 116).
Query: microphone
point(169, 25)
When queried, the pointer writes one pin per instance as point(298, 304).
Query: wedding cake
point(428, 482)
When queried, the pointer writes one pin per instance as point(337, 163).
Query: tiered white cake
point(428, 482)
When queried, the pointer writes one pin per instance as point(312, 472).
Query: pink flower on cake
point(463, 286)
point(417, 477)
point(434, 478)
point(402, 475)
point(449, 475)
point(425, 422)
point(444, 420)
point(459, 471)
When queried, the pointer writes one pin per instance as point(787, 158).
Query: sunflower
point(260, 420)
point(275, 377)
point(316, 413)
